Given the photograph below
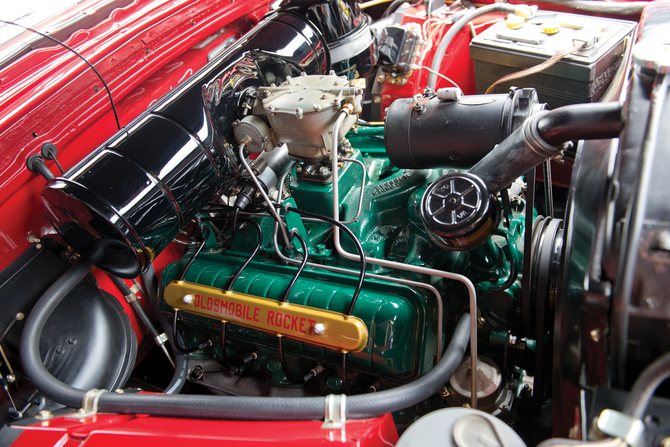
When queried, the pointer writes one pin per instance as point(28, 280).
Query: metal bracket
point(335, 411)
point(89, 404)
point(619, 425)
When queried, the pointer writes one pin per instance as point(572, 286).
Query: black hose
point(645, 386)
point(198, 406)
point(301, 408)
point(356, 242)
point(30, 337)
point(179, 376)
point(511, 279)
point(591, 121)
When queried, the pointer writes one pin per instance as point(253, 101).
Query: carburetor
point(301, 113)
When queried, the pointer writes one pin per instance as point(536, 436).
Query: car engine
point(326, 239)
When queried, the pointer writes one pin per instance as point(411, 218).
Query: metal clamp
point(89, 404)
point(335, 411)
point(619, 425)
point(161, 339)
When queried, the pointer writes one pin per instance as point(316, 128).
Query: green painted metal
point(400, 320)
point(394, 314)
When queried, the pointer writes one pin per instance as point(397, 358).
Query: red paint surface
point(142, 51)
point(141, 431)
point(49, 95)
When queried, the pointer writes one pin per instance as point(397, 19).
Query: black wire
point(224, 354)
point(246, 263)
point(177, 338)
point(235, 214)
point(295, 233)
point(345, 385)
point(357, 243)
point(361, 278)
point(53, 39)
point(289, 376)
point(205, 235)
point(280, 340)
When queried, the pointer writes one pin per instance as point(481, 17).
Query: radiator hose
point(229, 407)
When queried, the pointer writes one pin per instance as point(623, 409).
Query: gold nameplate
point(308, 324)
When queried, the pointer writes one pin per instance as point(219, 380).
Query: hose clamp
point(535, 141)
point(335, 411)
point(136, 288)
point(89, 404)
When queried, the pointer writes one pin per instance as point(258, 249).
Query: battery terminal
point(589, 37)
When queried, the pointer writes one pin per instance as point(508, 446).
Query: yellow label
point(310, 325)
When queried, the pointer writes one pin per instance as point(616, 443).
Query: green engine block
point(401, 320)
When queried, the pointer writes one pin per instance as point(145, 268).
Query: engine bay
point(316, 225)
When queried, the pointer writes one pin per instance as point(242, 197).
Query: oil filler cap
point(459, 211)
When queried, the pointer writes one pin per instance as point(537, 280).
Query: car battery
point(516, 44)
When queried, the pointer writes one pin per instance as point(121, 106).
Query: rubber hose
point(179, 376)
point(645, 386)
point(458, 26)
point(181, 360)
point(30, 337)
point(603, 7)
point(234, 407)
point(594, 121)
point(278, 408)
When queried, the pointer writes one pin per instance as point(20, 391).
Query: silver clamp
point(335, 411)
point(136, 288)
point(619, 425)
point(89, 404)
point(161, 339)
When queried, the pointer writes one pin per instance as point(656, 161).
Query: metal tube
point(411, 268)
point(360, 197)
point(409, 283)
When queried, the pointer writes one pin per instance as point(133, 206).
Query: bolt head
point(319, 328)
point(187, 299)
point(323, 170)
